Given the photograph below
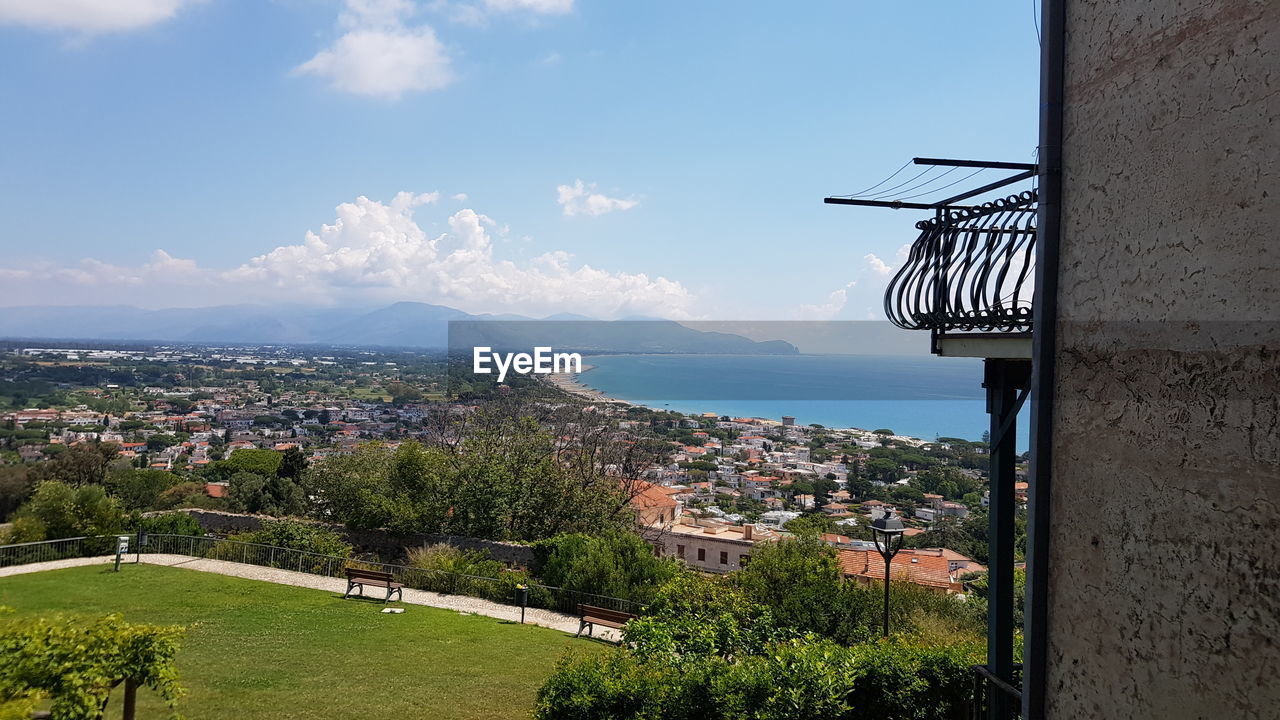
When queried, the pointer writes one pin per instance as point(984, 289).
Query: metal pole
point(1045, 307)
point(1003, 379)
point(887, 560)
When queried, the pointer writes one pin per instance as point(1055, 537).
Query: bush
point(186, 494)
point(795, 680)
point(615, 564)
point(297, 536)
point(174, 523)
point(444, 568)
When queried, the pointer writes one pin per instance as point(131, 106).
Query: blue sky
point(532, 156)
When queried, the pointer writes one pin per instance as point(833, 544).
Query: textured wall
point(1165, 549)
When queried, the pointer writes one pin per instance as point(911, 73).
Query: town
point(195, 421)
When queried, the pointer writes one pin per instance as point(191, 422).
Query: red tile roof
point(922, 568)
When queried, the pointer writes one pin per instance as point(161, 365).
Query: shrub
point(289, 534)
point(616, 564)
point(796, 680)
point(174, 523)
point(186, 494)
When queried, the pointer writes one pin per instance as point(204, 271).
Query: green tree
point(140, 489)
point(617, 563)
point(275, 496)
point(796, 579)
point(57, 510)
point(76, 663)
point(293, 464)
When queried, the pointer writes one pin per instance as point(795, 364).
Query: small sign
point(122, 544)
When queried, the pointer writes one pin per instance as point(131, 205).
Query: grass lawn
point(256, 650)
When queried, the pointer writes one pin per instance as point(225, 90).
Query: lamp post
point(888, 533)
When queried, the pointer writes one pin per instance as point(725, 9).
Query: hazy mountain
point(404, 325)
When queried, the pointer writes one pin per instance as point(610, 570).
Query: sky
point(614, 159)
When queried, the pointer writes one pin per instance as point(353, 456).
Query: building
point(654, 505)
point(708, 545)
point(928, 568)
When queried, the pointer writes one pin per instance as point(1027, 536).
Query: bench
point(592, 616)
point(357, 578)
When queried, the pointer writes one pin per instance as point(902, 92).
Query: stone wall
point(1165, 534)
point(387, 546)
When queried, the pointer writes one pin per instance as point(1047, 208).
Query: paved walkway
point(460, 603)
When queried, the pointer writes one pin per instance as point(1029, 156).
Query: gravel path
point(460, 603)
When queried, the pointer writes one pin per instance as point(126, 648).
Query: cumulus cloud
point(380, 54)
point(877, 265)
point(825, 311)
point(580, 199)
point(90, 16)
point(378, 252)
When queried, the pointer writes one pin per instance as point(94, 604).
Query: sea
point(921, 396)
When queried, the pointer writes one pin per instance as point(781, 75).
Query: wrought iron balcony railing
point(971, 269)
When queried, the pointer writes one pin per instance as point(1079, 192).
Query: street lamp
point(888, 533)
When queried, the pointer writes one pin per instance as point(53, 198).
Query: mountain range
point(401, 325)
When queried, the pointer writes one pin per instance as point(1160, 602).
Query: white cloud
point(379, 54)
point(376, 252)
point(544, 7)
point(90, 16)
point(580, 199)
point(827, 310)
point(877, 265)
point(460, 197)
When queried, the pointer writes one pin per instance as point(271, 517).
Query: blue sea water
point(922, 396)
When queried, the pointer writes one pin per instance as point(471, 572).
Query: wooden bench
point(592, 616)
point(357, 578)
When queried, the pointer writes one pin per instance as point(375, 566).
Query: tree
point(80, 464)
point(293, 464)
point(796, 579)
point(402, 393)
point(76, 663)
point(140, 489)
point(16, 483)
point(259, 462)
point(275, 496)
point(57, 510)
point(882, 470)
point(617, 563)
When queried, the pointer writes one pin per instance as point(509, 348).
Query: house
point(709, 545)
point(928, 568)
point(654, 505)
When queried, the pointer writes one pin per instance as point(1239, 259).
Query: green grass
point(256, 650)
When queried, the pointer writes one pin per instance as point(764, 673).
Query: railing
point(61, 549)
point(994, 698)
point(499, 589)
point(970, 269)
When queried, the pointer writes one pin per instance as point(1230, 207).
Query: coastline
point(569, 383)
point(573, 384)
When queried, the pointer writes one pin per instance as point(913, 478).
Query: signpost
point(122, 547)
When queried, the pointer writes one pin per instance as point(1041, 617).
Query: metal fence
point(996, 699)
point(500, 589)
point(62, 549)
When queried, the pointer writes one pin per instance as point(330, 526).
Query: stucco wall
point(1165, 548)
